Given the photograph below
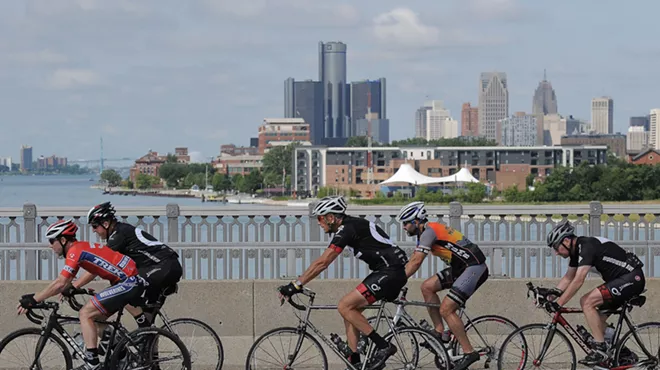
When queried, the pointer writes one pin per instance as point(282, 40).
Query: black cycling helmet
point(99, 213)
point(559, 232)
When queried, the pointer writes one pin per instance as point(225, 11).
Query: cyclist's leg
point(430, 288)
point(162, 275)
point(590, 303)
point(464, 287)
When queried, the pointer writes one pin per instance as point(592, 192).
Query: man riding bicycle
point(370, 244)
point(157, 263)
point(621, 271)
point(98, 260)
point(467, 272)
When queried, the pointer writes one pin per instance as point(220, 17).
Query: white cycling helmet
point(412, 211)
point(559, 232)
point(330, 205)
point(61, 228)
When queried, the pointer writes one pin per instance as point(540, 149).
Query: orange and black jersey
point(369, 243)
point(450, 245)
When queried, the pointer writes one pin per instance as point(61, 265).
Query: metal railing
point(265, 242)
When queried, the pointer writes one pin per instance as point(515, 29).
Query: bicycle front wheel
point(150, 348)
point(302, 351)
point(17, 351)
point(486, 334)
point(416, 349)
point(526, 348)
point(202, 342)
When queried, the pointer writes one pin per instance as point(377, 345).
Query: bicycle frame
point(305, 323)
point(53, 324)
point(558, 319)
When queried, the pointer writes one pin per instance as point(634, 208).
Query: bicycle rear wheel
point(17, 350)
point(486, 334)
point(522, 349)
point(202, 342)
point(263, 353)
point(635, 347)
point(150, 348)
point(416, 349)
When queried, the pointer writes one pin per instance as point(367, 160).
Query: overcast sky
point(164, 73)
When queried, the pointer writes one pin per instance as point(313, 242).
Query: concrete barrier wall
point(240, 311)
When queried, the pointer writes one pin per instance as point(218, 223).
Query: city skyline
point(160, 74)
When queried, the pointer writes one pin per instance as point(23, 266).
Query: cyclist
point(621, 271)
point(98, 260)
point(157, 263)
point(370, 244)
point(467, 271)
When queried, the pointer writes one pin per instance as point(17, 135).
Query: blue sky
point(155, 74)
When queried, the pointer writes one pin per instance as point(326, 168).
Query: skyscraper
point(642, 121)
point(304, 99)
point(359, 92)
point(654, 129)
point(469, 120)
point(545, 100)
point(602, 115)
point(332, 74)
point(26, 158)
point(421, 121)
point(493, 102)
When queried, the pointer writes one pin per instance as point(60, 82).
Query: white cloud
point(402, 26)
point(72, 78)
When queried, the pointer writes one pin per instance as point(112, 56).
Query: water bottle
point(343, 348)
point(609, 334)
point(586, 336)
point(425, 325)
point(362, 344)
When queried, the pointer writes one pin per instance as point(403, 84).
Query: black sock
point(92, 355)
point(378, 340)
point(142, 320)
point(354, 358)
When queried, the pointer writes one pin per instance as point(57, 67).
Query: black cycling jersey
point(369, 243)
point(138, 244)
point(609, 259)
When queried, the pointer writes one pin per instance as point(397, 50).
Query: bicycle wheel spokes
point(17, 351)
point(202, 342)
point(521, 350)
point(152, 348)
point(486, 334)
point(634, 351)
point(276, 349)
point(416, 349)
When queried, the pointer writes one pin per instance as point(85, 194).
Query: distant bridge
point(98, 160)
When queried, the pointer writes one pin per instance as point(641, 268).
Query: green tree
point(253, 181)
point(145, 181)
point(111, 177)
point(171, 158)
point(476, 192)
point(275, 161)
point(238, 182)
point(529, 180)
point(221, 182)
point(357, 141)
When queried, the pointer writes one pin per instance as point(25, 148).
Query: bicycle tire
point(629, 334)
point(439, 348)
point(297, 331)
point(119, 350)
point(205, 327)
point(534, 326)
point(37, 331)
point(456, 347)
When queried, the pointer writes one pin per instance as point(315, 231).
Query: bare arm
point(413, 264)
point(54, 288)
point(84, 280)
point(567, 278)
point(318, 266)
point(575, 285)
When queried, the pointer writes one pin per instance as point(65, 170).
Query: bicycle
point(201, 353)
point(479, 336)
point(302, 337)
point(135, 350)
point(621, 357)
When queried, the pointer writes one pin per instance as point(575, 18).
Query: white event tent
point(407, 174)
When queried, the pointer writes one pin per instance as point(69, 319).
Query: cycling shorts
point(115, 297)
point(383, 284)
point(616, 292)
point(464, 286)
point(160, 276)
